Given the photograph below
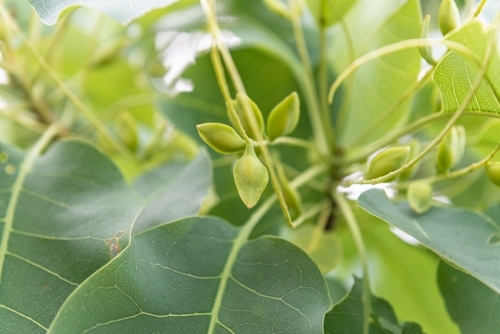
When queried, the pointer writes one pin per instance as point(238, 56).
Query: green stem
point(455, 174)
point(319, 229)
point(323, 71)
point(66, 91)
point(322, 128)
point(292, 141)
point(409, 129)
point(310, 213)
point(394, 107)
point(353, 226)
point(396, 47)
point(475, 86)
point(480, 8)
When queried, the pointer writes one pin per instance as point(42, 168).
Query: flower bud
point(241, 101)
point(126, 127)
point(493, 172)
point(284, 117)
point(415, 148)
point(292, 196)
point(449, 151)
point(420, 196)
point(221, 137)
point(426, 51)
point(250, 177)
point(449, 16)
point(387, 161)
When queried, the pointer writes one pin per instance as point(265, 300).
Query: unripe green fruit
point(241, 101)
point(420, 196)
point(426, 51)
point(292, 196)
point(284, 117)
point(493, 172)
point(387, 161)
point(415, 148)
point(221, 137)
point(250, 177)
point(449, 16)
point(450, 150)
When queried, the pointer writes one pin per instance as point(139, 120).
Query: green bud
point(250, 177)
point(493, 172)
point(387, 161)
point(126, 127)
point(449, 151)
point(284, 118)
point(420, 196)
point(221, 137)
point(241, 101)
point(415, 149)
point(461, 135)
point(292, 196)
point(449, 16)
point(426, 51)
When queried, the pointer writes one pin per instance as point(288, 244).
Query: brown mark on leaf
point(114, 247)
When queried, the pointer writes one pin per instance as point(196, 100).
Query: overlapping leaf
point(199, 275)
point(463, 237)
point(471, 304)
point(64, 215)
point(348, 316)
point(456, 72)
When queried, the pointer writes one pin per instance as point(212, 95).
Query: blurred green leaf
point(187, 275)
point(65, 214)
point(463, 237)
point(377, 85)
point(347, 316)
point(123, 11)
point(456, 72)
point(471, 304)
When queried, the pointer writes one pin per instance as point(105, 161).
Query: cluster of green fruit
point(250, 175)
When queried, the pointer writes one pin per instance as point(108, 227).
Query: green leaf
point(200, 275)
point(65, 213)
point(347, 316)
point(471, 304)
point(123, 11)
point(462, 237)
point(173, 191)
point(456, 72)
point(373, 24)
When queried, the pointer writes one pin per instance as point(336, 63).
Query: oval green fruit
point(415, 148)
point(449, 16)
point(449, 151)
point(493, 172)
point(245, 117)
point(387, 161)
point(250, 177)
point(284, 117)
point(221, 137)
point(426, 51)
point(420, 196)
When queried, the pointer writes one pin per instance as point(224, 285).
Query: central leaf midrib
point(17, 187)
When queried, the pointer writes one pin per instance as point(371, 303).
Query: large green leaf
point(456, 72)
point(123, 11)
point(463, 237)
point(200, 275)
point(471, 304)
point(347, 316)
point(377, 85)
point(65, 214)
point(173, 191)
